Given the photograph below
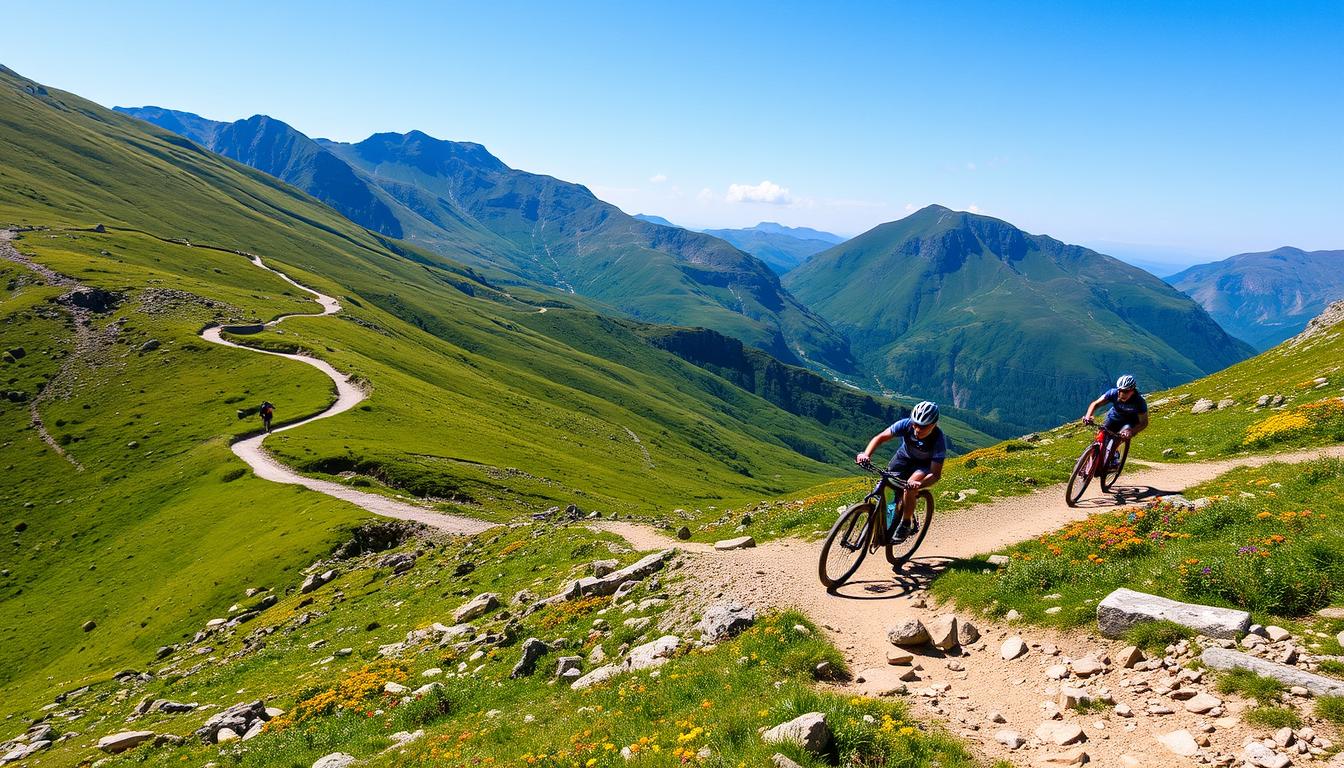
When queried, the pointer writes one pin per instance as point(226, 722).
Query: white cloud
point(765, 192)
point(973, 208)
point(706, 195)
point(658, 178)
point(910, 208)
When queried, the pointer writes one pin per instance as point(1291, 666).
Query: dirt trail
point(783, 574)
point(347, 396)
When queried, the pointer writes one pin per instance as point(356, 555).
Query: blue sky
point(1184, 131)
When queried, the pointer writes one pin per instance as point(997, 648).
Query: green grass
point(1275, 550)
point(700, 698)
point(1155, 636)
point(1332, 667)
point(1271, 717)
point(1265, 690)
point(1330, 708)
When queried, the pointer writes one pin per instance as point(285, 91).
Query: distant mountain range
point(1265, 298)
point(974, 312)
point(458, 200)
point(781, 248)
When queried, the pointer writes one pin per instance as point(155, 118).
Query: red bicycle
point(1105, 457)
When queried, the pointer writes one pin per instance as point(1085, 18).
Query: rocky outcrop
point(1224, 659)
point(477, 607)
point(723, 621)
point(120, 742)
point(233, 722)
point(1124, 608)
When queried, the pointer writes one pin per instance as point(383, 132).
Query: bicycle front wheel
point(1112, 473)
point(847, 544)
point(898, 552)
point(1082, 474)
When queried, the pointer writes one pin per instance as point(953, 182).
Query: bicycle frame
point(879, 497)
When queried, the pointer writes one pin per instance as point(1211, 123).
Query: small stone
point(684, 533)
point(741, 542)
point(1202, 703)
point(394, 688)
point(335, 760)
point(1179, 742)
point(942, 632)
point(1012, 648)
point(1012, 615)
point(1129, 656)
point(1060, 733)
point(900, 657)
point(1076, 756)
point(907, 632)
point(1051, 611)
point(1123, 710)
point(1010, 739)
point(1277, 634)
point(1073, 697)
point(995, 716)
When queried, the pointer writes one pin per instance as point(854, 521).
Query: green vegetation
point(1265, 690)
point(1267, 542)
point(1330, 707)
point(1155, 636)
point(1019, 327)
point(1272, 718)
point(702, 698)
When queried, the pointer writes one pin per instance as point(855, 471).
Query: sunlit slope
point(972, 311)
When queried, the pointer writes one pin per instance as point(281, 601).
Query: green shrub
point(1263, 689)
point(1331, 708)
point(1273, 717)
point(1155, 636)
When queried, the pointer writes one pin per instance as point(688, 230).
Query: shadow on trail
point(914, 576)
point(1123, 495)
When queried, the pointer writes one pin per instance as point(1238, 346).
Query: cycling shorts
point(906, 466)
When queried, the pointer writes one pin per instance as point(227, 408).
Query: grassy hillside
point(1264, 298)
point(971, 311)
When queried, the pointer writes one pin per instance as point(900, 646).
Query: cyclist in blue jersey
point(919, 460)
point(1129, 411)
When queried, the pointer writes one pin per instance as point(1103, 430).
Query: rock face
point(1224, 659)
point(533, 649)
point(608, 584)
point(808, 731)
point(479, 606)
point(120, 742)
point(908, 631)
point(725, 620)
point(1124, 608)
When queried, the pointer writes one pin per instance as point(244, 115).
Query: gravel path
point(783, 574)
point(347, 396)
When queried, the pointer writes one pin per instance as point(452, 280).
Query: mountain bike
point(864, 528)
point(1107, 453)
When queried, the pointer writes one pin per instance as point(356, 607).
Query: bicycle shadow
point(1122, 496)
point(915, 576)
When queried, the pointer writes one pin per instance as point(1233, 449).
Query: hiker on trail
point(267, 411)
point(919, 460)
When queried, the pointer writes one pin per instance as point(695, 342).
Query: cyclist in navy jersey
point(919, 460)
point(1129, 411)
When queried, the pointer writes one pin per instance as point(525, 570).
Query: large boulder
point(236, 719)
point(601, 674)
point(477, 607)
point(316, 580)
point(907, 632)
point(533, 649)
point(653, 654)
point(120, 742)
point(1226, 659)
point(808, 731)
point(725, 620)
point(1124, 608)
point(1203, 405)
point(943, 632)
point(335, 760)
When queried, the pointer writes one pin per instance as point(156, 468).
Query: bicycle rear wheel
point(1109, 475)
point(847, 544)
point(898, 552)
point(1082, 474)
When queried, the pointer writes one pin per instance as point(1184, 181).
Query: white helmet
point(925, 413)
point(1125, 382)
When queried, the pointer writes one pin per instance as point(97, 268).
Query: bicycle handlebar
point(890, 477)
point(1093, 423)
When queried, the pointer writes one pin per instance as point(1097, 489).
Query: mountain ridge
point(1268, 296)
point(969, 308)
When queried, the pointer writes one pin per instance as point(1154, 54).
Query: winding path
point(348, 396)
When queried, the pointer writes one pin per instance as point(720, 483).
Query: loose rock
point(809, 731)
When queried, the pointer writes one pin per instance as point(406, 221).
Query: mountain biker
point(267, 411)
point(1129, 411)
point(919, 460)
